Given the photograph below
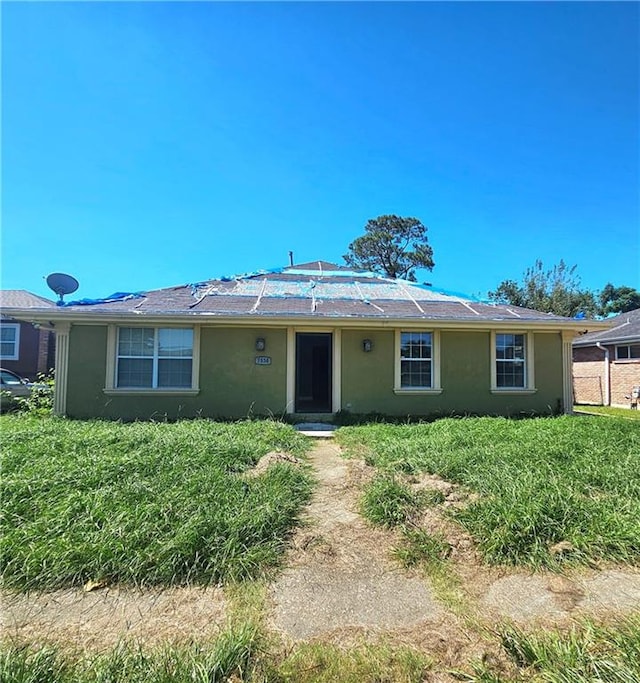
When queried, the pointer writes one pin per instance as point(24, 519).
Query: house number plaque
point(263, 360)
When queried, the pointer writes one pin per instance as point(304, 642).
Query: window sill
point(416, 392)
point(151, 392)
point(624, 361)
point(511, 391)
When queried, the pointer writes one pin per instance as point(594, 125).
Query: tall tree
point(618, 299)
point(551, 291)
point(393, 246)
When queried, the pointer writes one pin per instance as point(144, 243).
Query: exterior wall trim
point(291, 370)
point(336, 371)
point(151, 392)
point(62, 368)
point(567, 372)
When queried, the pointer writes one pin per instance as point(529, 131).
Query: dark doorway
point(313, 373)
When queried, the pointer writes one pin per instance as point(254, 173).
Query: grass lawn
point(541, 481)
point(143, 503)
point(167, 504)
point(609, 411)
point(587, 653)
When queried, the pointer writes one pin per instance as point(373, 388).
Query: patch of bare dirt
point(101, 618)
point(269, 459)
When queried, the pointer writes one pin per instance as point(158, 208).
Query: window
point(417, 362)
point(154, 358)
point(9, 341)
point(510, 361)
point(628, 352)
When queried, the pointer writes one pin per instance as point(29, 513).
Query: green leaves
point(558, 291)
point(392, 246)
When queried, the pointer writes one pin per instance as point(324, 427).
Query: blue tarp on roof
point(116, 296)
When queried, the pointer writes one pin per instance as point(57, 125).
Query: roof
point(623, 328)
point(21, 298)
point(314, 291)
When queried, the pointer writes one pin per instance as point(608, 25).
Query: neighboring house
point(25, 348)
point(606, 364)
point(309, 340)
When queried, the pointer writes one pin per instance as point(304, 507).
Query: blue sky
point(153, 144)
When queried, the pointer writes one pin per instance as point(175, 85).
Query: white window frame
point(112, 357)
point(629, 358)
point(435, 387)
point(16, 342)
point(529, 370)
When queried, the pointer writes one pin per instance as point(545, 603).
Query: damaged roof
point(316, 290)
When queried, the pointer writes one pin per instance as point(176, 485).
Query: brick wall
point(589, 376)
point(46, 343)
point(624, 376)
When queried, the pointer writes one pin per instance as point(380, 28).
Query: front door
point(313, 372)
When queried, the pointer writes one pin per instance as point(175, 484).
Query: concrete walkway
point(340, 575)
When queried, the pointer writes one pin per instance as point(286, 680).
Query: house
point(606, 363)
point(25, 348)
point(308, 340)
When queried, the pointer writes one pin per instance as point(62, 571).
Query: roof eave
point(59, 315)
point(607, 340)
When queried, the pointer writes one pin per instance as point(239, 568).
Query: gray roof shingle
point(21, 298)
point(625, 328)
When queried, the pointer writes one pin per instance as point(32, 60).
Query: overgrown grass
point(541, 481)
point(143, 503)
point(237, 655)
point(322, 663)
point(388, 502)
point(609, 411)
point(231, 654)
point(421, 547)
point(587, 653)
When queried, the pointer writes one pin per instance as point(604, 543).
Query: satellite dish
point(62, 284)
